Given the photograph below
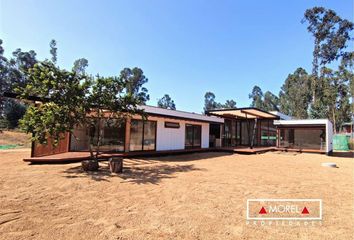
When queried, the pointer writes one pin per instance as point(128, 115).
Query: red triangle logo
point(262, 211)
point(305, 211)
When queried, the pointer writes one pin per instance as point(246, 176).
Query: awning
point(243, 113)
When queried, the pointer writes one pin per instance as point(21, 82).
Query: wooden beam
point(127, 135)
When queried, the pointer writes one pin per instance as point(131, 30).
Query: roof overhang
point(302, 123)
point(243, 113)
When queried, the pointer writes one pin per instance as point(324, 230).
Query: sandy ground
point(195, 196)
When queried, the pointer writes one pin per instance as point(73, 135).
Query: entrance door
point(193, 136)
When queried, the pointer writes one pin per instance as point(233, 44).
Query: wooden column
point(278, 138)
point(127, 135)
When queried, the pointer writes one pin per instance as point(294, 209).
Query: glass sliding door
point(142, 135)
point(268, 133)
point(193, 136)
point(149, 135)
point(231, 136)
point(136, 135)
point(301, 138)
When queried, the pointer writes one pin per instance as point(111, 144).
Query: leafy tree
point(229, 104)
point(331, 34)
point(334, 98)
point(271, 102)
point(80, 65)
point(65, 101)
point(295, 94)
point(12, 73)
point(53, 50)
point(72, 99)
point(209, 101)
point(4, 80)
point(19, 65)
point(346, 72)
point(13, 112)
point(257, 97)
point(166, 102)
point(134, 79)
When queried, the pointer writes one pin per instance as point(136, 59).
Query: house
point(177, 131)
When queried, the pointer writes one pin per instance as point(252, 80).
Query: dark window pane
point(197, 142)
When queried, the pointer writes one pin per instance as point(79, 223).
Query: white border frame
point(283, 200)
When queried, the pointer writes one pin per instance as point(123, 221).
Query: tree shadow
point(102, 174)
point(154, 174)
point(186, 157)
point(349, 154)
point(144, 174)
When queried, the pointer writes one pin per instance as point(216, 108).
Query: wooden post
point(127, 135)
point(254, 132)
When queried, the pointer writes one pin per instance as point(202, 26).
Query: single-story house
point(173, 130)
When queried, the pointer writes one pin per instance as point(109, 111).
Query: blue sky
point(185, 48)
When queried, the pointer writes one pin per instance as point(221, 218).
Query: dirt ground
point(15, 137)
point(195, 196)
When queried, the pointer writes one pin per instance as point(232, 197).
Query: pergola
point(244, 114)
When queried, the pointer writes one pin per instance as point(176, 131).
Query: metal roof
point(243, 113)
point(157, 111)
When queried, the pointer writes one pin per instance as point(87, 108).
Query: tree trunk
point(116, 164)
point(334, 121)
point(90, 165)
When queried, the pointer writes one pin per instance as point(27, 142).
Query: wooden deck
point(247, 150)
point(300, 150)
point(79, 156)
point(68, 157)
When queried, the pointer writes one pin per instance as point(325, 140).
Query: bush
point(13, 112)
point(3, 124)
point(351, 143)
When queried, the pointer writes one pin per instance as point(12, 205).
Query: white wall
point(174, 138)
point(329, 136)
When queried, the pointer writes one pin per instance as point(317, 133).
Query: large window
point(268, 133)
point(303, 138)
point(142, 135)
point(231, 135)
point(113, 134)
point(193, 136)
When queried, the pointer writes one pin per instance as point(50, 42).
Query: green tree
point(80, 65)
point(209, 101)
point(65, 101)
point(257, 97)
point(166, 102)
point(295, 94)
point(71, 99)
point(271, 102)
point(18, 66)
point(12, 74)
point(4, 80)
point(13, 112)
point(331, 34)
point(53, 51)
point(134, 79)
point(346, 72)
point(229, 104)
